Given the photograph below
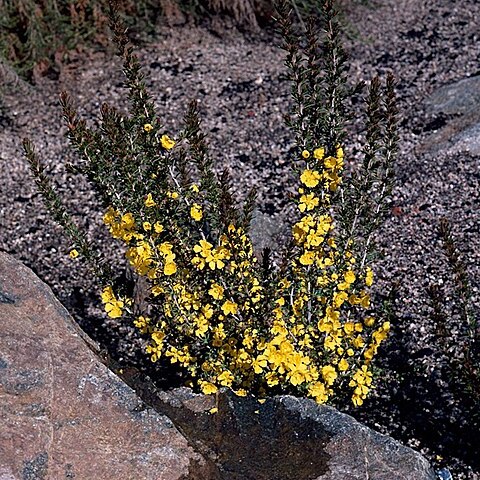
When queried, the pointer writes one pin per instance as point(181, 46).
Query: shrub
point(34, 33)
point(229, 316)
point(458, 341)
point(38, 35)
point(442, 372)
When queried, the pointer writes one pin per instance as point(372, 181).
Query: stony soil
point(239, 80)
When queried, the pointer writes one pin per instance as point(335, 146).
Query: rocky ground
point(239, 80)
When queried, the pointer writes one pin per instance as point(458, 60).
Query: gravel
point(240, 82)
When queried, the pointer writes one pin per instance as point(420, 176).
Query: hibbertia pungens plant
point(228, 316)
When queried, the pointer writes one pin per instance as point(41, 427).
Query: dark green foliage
point(462, 284)
point(122, 160)
point(461, 349)
point(60, 214)
point(203, 162)
point(318, 74)
point(319, 77)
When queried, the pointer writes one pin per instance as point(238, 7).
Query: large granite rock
point(456, 108)
point(65, 415)
point(284, 438)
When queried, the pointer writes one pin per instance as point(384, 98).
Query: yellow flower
point(319, 153)
point(142, 323)
point(357, 400)
point(206, 367)
point(215, 259)
point(148, 127)
point(170, 268)
point(229, 307)
point(308, 202)
point(240, 393)
point(349, 328)
point(216, 291)
point(330, 162)
point(343, 365)
point(381, 334)
point(271, 379)
point(279, 328)
point(319, 392)
point(158, 227)
point(157, 290)
point(259, 364)
point(218, 335)
point(369, 321)
point(73, 253)
point(339, 299)
point(305, 154)
point(369, 277)
point(165, 249)
point(307, 258)
point(358, 342)
point(149, 201)
point(208, 388)
point(194, 188)
point(128, 221)
point(202, 326)
point(147, 226)
point(158, 337)
point(310, 178)
point(204, 248)
point(107, 294)
point(196, 212)
point(297, 378)
point(329, 374)
point(358, 327)
point(369, 353)
point(225, 378)
point(361, 381)
point(114, 310)
point(207, 311)
point(365, 301)
point(167, 142)
point(349, 276)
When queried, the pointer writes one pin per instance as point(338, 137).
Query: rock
point(459, 98)
point(284, 438)
point(266, 232)
point(467, 140)
point(459, 102)
point(63, 413)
